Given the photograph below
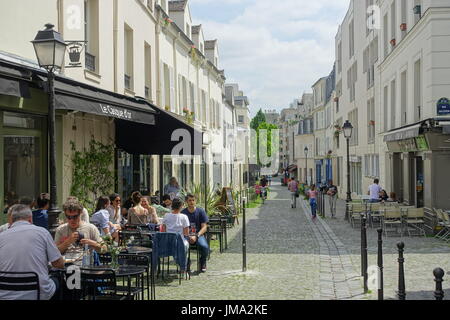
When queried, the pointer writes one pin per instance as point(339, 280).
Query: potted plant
point(167, 108)
point(167, 21)
point(403, 27)
point(371, 122)
point(336, 99)
point(393, 42)
point(110, 246)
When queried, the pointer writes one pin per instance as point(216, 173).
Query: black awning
point(408, 132)
point(12, 82)
point(95, 101)
point(137, 138)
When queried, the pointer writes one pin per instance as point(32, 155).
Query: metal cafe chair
point(355, 211)
point(101, 284)
point(140, 261)
point(375, 212)
point(392, 217)
point(415, 219)
point(215, 227)
point(444, 222)
point(20, 281)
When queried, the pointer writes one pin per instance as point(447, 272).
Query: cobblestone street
point(422, 256)
point(289, 258)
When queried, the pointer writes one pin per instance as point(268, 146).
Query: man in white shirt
point(374, 191)
point(25, 247)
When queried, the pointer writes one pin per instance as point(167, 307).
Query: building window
point(352, 39)
point(393, 104)
point(128, 57)
point(353, 118)
point(148, 71)
point(91, 35)
point(404, 97)
point(371, 121)
point(418, 91)
point(241, 119)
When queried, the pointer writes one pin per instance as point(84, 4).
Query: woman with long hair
point(115, 211)
point(138, 215)
point(145, 202)
point(101, 219)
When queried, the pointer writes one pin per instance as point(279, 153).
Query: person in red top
point(293, 188)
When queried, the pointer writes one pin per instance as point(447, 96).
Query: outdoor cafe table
point(138, 250)
point(123, 271)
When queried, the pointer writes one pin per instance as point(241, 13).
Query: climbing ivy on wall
point(92, 176)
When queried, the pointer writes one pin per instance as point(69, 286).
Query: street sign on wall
point(443, 107)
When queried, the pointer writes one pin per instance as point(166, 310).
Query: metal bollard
point(439, 278)
point(401, 272)
point(380, 265)
point(364, 261)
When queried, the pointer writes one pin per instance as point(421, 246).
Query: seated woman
point(101, 219)
point(145, 202)
point(160, 210)
point(138, 215)
point(383, 196)
point(175, 222)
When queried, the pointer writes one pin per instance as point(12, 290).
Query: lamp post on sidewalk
point(348, 130)
point(306, 155)
point(50, 51)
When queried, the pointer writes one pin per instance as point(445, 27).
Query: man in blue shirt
point(40, 216)
point(198, 219)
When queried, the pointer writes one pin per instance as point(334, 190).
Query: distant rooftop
point(210, 44)
point(177, 5)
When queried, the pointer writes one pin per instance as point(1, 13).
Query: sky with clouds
point(274, 50)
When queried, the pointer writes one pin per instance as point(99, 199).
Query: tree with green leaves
point(266, 144)
point(257, 120)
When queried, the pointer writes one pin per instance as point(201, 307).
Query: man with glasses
point(73, 235)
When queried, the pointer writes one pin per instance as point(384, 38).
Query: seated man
point(166, 201)
point(199, 219)
point(25, 247)
point(40, 216)
point(73, 235)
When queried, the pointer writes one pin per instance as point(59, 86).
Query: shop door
point(419, 182)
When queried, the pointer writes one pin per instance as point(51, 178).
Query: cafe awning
point(13, 82)
point(74, 96)
point(409, 132)
point(292, 168)
point(169, 136)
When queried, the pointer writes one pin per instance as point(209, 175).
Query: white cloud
point(276, 50)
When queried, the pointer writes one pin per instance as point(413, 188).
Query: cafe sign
point(116, 112)
point(443, 107)
point(422, 144)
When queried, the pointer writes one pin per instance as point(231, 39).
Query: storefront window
point(22, 167)
point(17, 120)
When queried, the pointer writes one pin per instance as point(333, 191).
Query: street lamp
point(306, 154)
point(348, 130)
point(50, 51)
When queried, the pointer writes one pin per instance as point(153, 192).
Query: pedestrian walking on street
point(312, 195)
point(293, 188)
point(332, 198)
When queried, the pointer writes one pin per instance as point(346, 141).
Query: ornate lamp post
point(348, 130)
point(50, 51)
point(306, 155)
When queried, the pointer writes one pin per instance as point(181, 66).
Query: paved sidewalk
point(422, 256)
